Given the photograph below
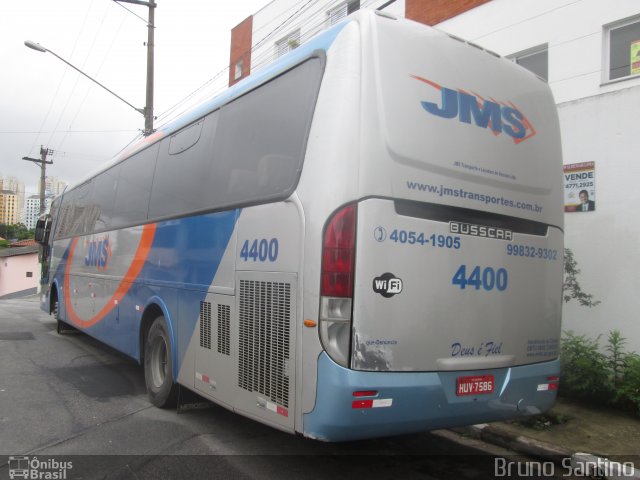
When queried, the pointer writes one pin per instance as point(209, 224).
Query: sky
point(44, 102)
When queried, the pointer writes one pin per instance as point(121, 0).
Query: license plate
point(475, 385)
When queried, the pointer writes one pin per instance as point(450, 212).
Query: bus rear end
point(441, 281)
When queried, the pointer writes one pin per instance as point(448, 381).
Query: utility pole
point(44, 152)
point(148, 109)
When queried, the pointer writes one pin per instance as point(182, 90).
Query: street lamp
point(147, 112)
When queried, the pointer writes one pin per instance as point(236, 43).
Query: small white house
point(19, 271)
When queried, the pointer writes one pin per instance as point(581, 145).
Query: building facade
point(54, 186)
point(32, 209)
point(589, 53)
point(8, 207)
point(283, 25)
point(12, 184)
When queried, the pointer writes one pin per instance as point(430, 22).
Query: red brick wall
point(241, 48)
point(431, 12)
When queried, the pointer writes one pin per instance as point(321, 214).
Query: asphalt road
point(70, 398)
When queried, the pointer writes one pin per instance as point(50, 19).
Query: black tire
point(61, 327)
point(158, 368)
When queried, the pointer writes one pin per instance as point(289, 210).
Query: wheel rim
point(159, 362)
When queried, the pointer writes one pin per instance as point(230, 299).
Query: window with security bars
point(338, 13)
point(288, 43)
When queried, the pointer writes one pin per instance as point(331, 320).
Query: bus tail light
point(336, 283)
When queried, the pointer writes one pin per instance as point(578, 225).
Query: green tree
point(14, 232)
point(571, 289)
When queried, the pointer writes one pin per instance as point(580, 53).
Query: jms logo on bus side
point(98, 253)
point(387, 285)
point(499, 117)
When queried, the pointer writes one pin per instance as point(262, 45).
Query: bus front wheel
point(158, 369)
point(61, 327)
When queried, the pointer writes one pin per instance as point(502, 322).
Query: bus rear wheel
point(158, 369)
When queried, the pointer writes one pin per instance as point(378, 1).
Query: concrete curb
point(518, 443)
point(583, 463)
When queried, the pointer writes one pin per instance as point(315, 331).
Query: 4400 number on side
point(260, 250)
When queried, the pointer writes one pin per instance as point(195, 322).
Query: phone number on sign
point(579, 185)
point(532, 252)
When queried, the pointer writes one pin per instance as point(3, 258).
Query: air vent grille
point(224, 329)
point(205, 325)
point(264, 322)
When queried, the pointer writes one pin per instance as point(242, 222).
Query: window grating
point(224, 329)
point(264, 321)
point(205, 325)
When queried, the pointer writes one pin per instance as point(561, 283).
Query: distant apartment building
point(8, 207)
point(32, 209)
point(12, 184)
point(54, 186)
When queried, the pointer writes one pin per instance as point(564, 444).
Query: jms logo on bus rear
point(499, 117)
point(98, 253)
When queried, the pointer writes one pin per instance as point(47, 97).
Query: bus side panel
point(269, 257)
point(240, 342)
point(110, 278)
point(203, 330)
point(99, 283)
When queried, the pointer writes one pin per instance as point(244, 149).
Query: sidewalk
point(569, 428)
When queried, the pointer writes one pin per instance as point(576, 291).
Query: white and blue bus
point(363, 239)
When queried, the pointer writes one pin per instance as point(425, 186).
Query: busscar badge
point(387, 285)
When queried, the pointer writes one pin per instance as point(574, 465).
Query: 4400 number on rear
point(477, 277)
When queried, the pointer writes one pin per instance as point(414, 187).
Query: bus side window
point(103, 196)
point(261, 138)
point(134, 188)
point(76, 211)
point(185, 138)
point(183, 169)
point(271, 169)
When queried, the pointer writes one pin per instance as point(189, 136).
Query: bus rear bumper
point(407, 402)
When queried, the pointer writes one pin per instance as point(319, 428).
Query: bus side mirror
point(43, 228)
